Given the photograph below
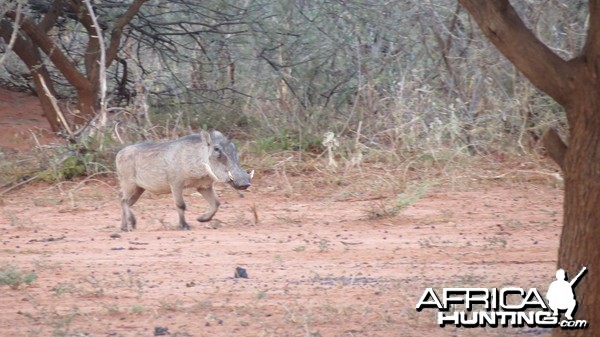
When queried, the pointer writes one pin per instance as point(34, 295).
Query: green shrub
point(289, 140)
point(14, 277)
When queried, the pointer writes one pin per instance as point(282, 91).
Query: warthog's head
point(223, 162)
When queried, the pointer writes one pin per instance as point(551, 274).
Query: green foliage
point(15, 277)
point(66, 169)
point(289, 140)
point(413, 194)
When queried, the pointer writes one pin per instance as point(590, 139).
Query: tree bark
point(555, 147)
point(30, 55)
point(574, 84)
point(580, 238)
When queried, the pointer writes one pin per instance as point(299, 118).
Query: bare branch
point(117, 30)
point(58, 58)
point(57, 110)
point(13, 36)
point(50, 17)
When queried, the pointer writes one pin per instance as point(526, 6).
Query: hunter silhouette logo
point(560, 294)
point(512, 306)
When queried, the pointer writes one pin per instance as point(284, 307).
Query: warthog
point(196, 161)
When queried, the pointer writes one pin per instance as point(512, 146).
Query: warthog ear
point(206, 137)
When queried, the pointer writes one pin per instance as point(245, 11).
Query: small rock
point(161, 331)
point(240, 273)
point(115, 235)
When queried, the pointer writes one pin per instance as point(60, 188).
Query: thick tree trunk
point(580, 239)
point(575, 84)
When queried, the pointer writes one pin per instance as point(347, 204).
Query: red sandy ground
point(318, 264)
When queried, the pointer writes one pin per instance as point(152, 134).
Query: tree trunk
point(88, 101)
point(574, 84)
point(30, 55)
point(580, 239)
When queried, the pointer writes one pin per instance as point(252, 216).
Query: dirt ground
point(321, 261)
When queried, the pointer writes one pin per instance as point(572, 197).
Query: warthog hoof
point(205, 217)
point(185, 227)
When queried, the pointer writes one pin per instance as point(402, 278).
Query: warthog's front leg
point(129, 195)
point(177, 191)
point(210, 196)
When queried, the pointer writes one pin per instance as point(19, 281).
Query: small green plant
point(66, 169)
point(169, 305)
point(63, 288)
point(413, 194)
point(14, 277)
point(323, 245)
point(495, 242)
point(261, 294)
point(137, 309)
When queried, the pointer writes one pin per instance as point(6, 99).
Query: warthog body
point(196, 161)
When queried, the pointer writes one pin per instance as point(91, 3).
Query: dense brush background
point(395, 81)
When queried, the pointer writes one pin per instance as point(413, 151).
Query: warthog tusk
point(251, 174)
point(230, 175)
point(210, 172)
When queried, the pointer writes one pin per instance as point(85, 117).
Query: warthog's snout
point(240, 181)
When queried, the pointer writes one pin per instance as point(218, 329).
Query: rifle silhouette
point(576, 278)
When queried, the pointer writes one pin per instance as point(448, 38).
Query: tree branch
point(117, 30)
point(555, 147)
point(39, 38)
point(13, 35)
point(502, 25)
point(50, 17)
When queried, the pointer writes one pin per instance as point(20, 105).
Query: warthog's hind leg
point(129, 196)
point(210, 196)
point(177, 191)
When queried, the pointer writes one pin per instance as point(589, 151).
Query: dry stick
point(13, 36)
point(357, 158)
point(554, 175)
point(55, 107)
point(19, 184)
